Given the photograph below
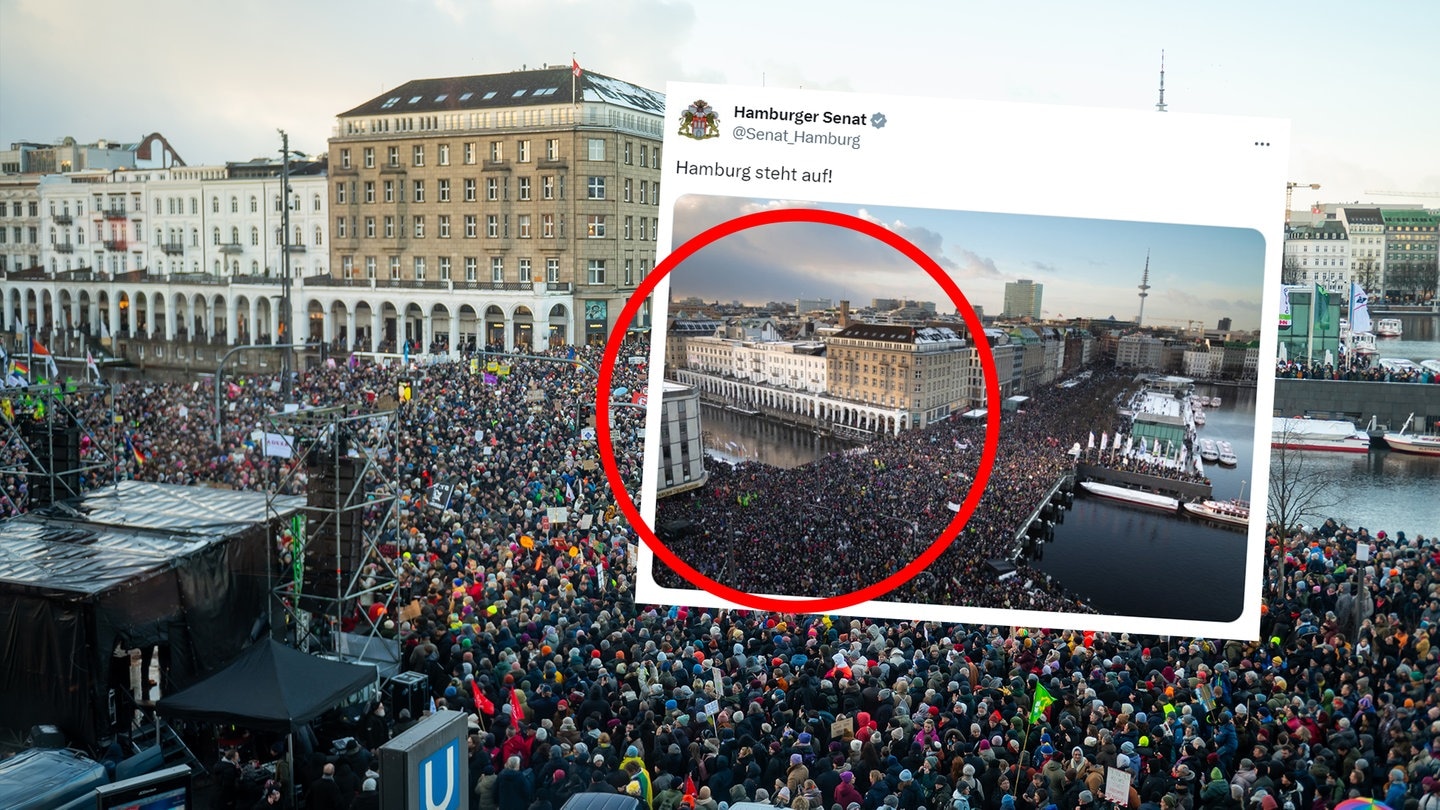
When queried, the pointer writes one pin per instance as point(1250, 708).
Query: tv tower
point(1161, 106)
point(1144, 290)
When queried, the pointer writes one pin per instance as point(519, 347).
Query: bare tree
point(1291, 272)
point(1367, 273)
point(1299, 489)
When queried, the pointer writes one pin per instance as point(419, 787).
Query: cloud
point(786, 260)
point(1043, 267)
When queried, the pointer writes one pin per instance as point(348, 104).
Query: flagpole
point(1310, 328)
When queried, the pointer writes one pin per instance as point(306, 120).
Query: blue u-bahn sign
point(426, 768)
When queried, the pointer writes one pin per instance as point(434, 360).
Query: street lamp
point(287, 354)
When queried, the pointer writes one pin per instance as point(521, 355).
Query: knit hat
point(368, 784)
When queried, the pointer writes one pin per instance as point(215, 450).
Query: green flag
point(1041, 702)
point(1322, 308)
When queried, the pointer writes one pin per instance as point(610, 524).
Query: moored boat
point(1134, 497)
point(1388, 327)
point(1226, 454)
point(1209, 452)
point(1233, 512)
point(1419, 443)
point(1432, 366)
point(1200, 418)
point(1332, 435)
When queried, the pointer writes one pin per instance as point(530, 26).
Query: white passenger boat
point(1226, 454)
point(1388, 327)
point(1209, 452)
point(1422, 444)
point(1233, 512)
point(1332, 435)
point(1134, 497)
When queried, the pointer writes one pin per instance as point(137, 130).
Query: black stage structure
point(132, 565)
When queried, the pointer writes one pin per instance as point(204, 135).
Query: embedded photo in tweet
point(910, 360)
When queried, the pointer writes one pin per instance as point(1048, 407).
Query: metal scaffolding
point(329, 581)
point(45, 439)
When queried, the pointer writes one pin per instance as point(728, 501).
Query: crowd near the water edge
point(529, 625)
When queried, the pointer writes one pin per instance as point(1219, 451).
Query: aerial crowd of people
point(515, 601)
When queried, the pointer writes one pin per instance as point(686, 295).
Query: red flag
point(517, 714)
point(575, 68)
point(482, 703)
point(689, 797)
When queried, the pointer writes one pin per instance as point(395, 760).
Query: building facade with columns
point(511, 209)
point(187, 254)
point(514, 209)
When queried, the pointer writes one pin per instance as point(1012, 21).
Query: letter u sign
point(439, 779)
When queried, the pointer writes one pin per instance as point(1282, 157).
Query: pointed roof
point(270, 687)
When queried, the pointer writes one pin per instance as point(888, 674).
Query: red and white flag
point(517, 714)
point(91, 367)
point(575, 68)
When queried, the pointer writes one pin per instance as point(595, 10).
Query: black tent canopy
point(270, 687)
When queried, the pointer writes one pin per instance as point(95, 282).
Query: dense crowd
point(1299, 370)
point(525, 619)
point(850, 519)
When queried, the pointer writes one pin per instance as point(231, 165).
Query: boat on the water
point(1432, 366)
point(1334, 435)
point(1214, 402)
point(1388, 327)
point(1199, 417)
point(1421, 444)
point(1233, 512)
point(1226, 454)
point(1134, 497)
point(1209, 452)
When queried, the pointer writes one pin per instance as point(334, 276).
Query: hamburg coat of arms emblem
point(699, 121)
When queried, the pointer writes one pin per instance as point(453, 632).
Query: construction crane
point(1290, 190)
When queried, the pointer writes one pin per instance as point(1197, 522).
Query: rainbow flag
point(134, 451)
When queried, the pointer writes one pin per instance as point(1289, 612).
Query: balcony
point(231, 247)
point(499, 286)
point(415, 284)
point(293, 248)
point(117, 245)
point(173, 248)
point(552, 163)
point(113, 213)
point(64, 247)
point(62, 219)
point(557, 286)
point(496, 166)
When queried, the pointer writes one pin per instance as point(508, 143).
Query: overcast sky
point(217, 79)
point(1089, 268)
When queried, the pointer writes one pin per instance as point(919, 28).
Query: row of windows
point(594, 150)
point(496, 189)
point(419, 267)
point(497, 226)
point(20, 231)
point(215, 235)
point(19, 207)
